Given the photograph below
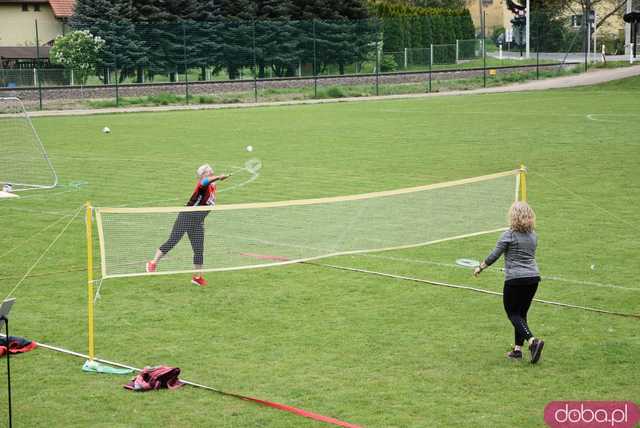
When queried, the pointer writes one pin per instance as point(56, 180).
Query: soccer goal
point(24, 163)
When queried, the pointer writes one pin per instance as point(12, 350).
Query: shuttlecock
point(593, 267)
point(249, 148)
point(106, 130)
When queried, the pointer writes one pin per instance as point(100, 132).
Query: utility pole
point(528, 26)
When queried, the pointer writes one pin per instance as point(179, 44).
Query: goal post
point(522, 184)
point(24, 162)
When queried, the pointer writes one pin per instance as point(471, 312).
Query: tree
point(110, 20)
point(79, 51)
point(278, 39)
point(342, 33)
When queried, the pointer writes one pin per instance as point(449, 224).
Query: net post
point(522, 184)
point(89, 224)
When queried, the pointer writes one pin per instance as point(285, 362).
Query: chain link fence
point(232, 61)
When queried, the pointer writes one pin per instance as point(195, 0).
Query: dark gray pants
point(191, 223)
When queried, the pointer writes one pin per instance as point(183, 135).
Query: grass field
point(373, 351)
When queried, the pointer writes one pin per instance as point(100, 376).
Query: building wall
point(17, 28)
point(497, 14)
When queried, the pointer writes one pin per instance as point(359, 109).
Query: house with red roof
point(18, 22)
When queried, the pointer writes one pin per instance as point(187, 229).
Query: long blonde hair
point(521, 217)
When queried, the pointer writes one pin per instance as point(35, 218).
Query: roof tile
point(62, 8)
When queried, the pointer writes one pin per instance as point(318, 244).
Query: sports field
point(371, 350)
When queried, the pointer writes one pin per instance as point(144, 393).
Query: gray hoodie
point(519, 254)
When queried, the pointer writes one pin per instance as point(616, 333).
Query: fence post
point(184, 54)
point(528, 27)
point(38, 66)
point(430, 64)
point(631, 53)
point(315, 65)
point(500, 51)
point(378, 68)
point(595, 42)
point(405, 58)
point(484, 51)
point(72, 82)
point(587, 36)
point(116, 78)
point(457, 50)
point(255, 63)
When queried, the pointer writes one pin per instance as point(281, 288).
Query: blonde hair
point(204, 169)
point(521, 217)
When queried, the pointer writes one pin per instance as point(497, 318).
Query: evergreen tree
point(109, 19)
point(206, 35)
point(342, 36)
point(237, 35)
point(277, 38)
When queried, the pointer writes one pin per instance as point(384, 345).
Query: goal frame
point(39, 146)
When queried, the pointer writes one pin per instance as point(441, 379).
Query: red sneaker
point(151, 266)
point(199, 281)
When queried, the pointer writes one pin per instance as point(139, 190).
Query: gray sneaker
point(515, 355)
point(536, 350)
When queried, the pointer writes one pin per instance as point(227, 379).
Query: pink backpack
point(159, 377)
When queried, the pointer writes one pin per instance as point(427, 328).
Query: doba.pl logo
point(592, 414)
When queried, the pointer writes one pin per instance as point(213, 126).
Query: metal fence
point(247, 61)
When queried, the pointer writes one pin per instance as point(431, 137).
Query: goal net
point(24, 163)
point(243, 236)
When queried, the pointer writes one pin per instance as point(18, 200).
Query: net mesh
point(23, 160)
point(256, 235)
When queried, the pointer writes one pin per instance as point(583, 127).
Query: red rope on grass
point(279, 406)
point(301, 412)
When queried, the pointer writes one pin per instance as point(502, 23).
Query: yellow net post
point(89, 224)
point(522, 187)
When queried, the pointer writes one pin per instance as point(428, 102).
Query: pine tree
point(277, 38)
point(342, 34)
point(109, 20)
point(237, 35)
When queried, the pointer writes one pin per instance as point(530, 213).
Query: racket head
point(470, 263)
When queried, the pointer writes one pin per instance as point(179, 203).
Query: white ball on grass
point(249, 148)
point(106, 130)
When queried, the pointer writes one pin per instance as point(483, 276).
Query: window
point(25, 7)
point(36, 8)
point(576, 21)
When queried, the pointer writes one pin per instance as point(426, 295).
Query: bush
point(612, 44)
point(498, 35)
point(388, 63)
point(335, 92)
point(78, 51)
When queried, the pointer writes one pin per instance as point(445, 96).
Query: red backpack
point(159, 377)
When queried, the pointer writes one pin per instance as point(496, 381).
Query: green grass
point(374, 351)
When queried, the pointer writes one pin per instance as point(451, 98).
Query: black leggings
point(517, 296)
point(191, 223)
